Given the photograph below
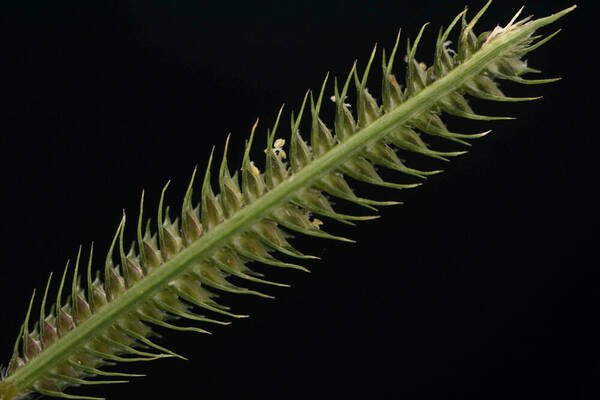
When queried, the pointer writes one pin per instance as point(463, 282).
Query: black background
point(482, 285)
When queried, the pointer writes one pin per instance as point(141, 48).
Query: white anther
point(279, 143)
point(332, 98)
point(278, 149)
point(316, 223)
point(499, 31)
point(255, 171)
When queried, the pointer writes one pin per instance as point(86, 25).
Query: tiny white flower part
point(498, 30)
point(316, 223)
point(332, 98)
point(279, 143)
point(448, 49)
point(278, 149)
point(255, 171)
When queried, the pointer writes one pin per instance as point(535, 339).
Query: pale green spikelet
point(177, 271)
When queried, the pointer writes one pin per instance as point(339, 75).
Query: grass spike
point(361, 85)
point(448, 30)
point(60, 289)
point(486, 96)
point(193, 300)
point(296, 123)
point(540, 42)
point(231, 288)
point(475, 117)
point(479, 14)
point(390, 62)
point(77, 381)
point(441, 44)
point(95, 371)
point(295, 133)
point(530, 81)
point(127, 274)
point(148, 343)
point(412, 72)
point(242, 275)
point(108, 264)
point(15, 354)
point(206, 191)
point(223, 169)
point(364, 202)
point(182, 314)
point(315, 109)
point(26, 325)
point(74, 284)
point(128, 349)
point(269, 150)
point(387, 73)
point(340, 98)
point(160, 227)
point(62, 395)
point(189, 276)
point(187, 201)
point(90, 286)
point(249, 171)
point(164, 324)
point(112, 357)
point(313, 232)
point(468, 29)
point(246, 160)
point(140, 237)
point(41, 326)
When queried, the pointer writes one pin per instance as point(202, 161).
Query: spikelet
point(104, 321)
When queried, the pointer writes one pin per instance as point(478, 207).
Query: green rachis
point(177, 270)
